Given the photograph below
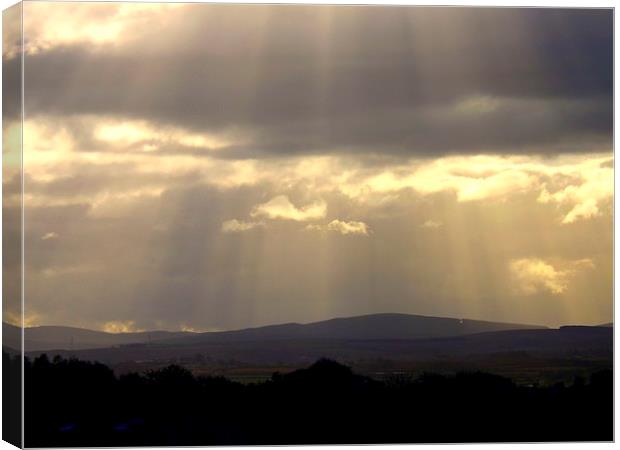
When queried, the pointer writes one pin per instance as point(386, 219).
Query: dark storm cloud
point(11, 72)
point(349, 79)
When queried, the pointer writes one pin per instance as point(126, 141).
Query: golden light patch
point(153, 137)
point(342, 227)
point(12, 146)
point(15, 318)
point(593, 186)
point(488, 177)
point(533, 275)
point(477, 104)
point(60, 271)
point(280, 207)
point(238, 226)
point(432, 224)
point(54, 24)
point(120, 326)
point(580, 187)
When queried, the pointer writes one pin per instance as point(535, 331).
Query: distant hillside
point(369, 327)
point(70, 338)
point(578, 342)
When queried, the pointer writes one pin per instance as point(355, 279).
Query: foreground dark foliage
point(11, 400)
point(76, 403)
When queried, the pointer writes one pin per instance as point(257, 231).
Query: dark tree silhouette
point(11, 399)
point(78, 403)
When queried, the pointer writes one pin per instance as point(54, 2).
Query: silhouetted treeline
point(77, 403)
point(11, 400)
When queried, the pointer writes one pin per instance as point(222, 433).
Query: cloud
point(581, 185)
point(57, 172)
point(144, 136)
point(583, 210)
point(485, 177)
point(237, 226)
point(374, 96)
point(177, 125)
point(280, 207)
point(351, 227)
point(432, 224)
point(52, 25)
point(584, 263)
point(591, 188)
point(191, 329)
point(120, 326)
point(31, 319)
point(66, 166)
point(67, 271)
point(342, 227)
point(477, 104)
point(179, 252)
point(533, 275)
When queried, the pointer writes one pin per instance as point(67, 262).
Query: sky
point(209, 167)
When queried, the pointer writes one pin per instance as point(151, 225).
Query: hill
point(527, 354)
point(295, 352)
point(70, 338)
point(368, 327)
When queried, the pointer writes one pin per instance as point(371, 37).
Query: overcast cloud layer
point(217, 166)
point(322, 79)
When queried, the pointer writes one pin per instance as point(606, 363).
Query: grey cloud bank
point(217, 166)
point(322, 79)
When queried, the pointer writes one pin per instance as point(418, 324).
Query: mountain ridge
point(369, 326)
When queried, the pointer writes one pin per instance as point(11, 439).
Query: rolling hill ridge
point(388, 326)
